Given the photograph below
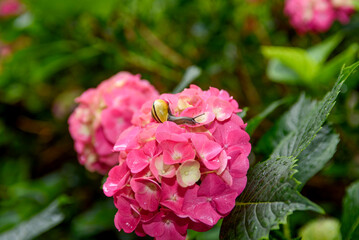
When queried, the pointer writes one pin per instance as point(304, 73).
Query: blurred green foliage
point(60, 48)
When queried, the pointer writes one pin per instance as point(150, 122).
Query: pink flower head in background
point(103, 113)
point(10, 8)
point(171, 177)
point(317, 15)
point(5, 50)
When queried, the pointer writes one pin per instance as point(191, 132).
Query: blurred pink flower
point(178, 177)
point(317, 15)
point(10, 8)
point(5, 50)
point(103, 114)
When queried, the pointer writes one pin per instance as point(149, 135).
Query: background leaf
point(280, 73)
point(189, 76)
point(296, 59)
point(321, 51)
point(321, 229)
point(253, 123)
point(40, 223)
point(350, 219)
point(332, 67)
point(96, 219)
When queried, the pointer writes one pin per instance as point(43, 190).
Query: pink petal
point(155, 227)
point(127, 139)
point(170, 131)
point(199, 226)
point(139, 231)
point(101, 144)
point(207, 150)
point(137, 160)
point(199, 208)
point(172, 196)
point(226, 177)
point(212, 185)
point(117, 179)
point(147, 193)
point(159, 169)
point(205, 213)
point(223, 160)
point(166, 225)
point(225, 202)
point(115, 121)
point(239, 184)
point(79, 131)
point(127, 217)
point(174, 152)
point(239, 167)
point(221, 108)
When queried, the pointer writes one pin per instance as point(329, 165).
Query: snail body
point(161, 112)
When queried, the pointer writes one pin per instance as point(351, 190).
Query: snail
point(161, 112)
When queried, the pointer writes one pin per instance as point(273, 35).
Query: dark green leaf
point(98, 218)
point(350, 219)
point(38, 224)
point(295, 142)
point(270, 195)
point(254, 122)
point(316, 155)
point(289, 122)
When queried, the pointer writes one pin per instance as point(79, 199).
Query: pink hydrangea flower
point(103, 114)
point(171, 177)
point(317, 15)
point(10, 8)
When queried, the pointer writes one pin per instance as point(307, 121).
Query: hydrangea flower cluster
point(10, 8)
point(317, 15)
point(171, 177)
point(103, 113)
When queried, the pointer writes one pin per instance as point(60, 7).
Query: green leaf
point(270, 195)
point(40, 223)
point(211, 234)
point(350, 218)
point(271, 192)
point(287, 123)
point(331, 68)
point(254, 122)
point(321, 229)
point(243, 114)
point(296, 59)
point(278, 72)
point(295, 142)
point(316, 155)
point(321, 51)
point(97, 219)
point(189, 76)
